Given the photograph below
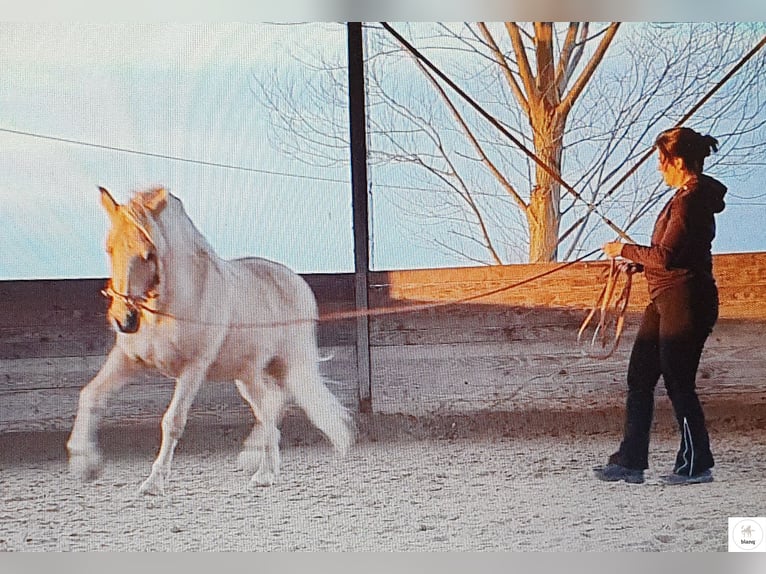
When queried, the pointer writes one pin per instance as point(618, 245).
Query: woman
point(680, 316)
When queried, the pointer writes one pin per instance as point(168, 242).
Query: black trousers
point(673, 331)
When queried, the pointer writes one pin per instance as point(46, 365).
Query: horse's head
point(133, 256)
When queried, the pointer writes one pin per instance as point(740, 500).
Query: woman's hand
point(612, 249)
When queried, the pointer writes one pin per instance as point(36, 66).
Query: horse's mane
point(173, 222)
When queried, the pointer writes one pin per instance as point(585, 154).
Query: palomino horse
point(179, 308)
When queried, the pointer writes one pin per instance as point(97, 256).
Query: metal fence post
point(358, 136)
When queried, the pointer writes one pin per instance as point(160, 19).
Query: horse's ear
point(108, 202)
point(156, 200)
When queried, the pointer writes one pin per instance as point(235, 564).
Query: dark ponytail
point(691, 146)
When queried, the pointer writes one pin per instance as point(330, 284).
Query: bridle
point(133, 302)
point(136, 303)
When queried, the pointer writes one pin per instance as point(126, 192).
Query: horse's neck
point(188, 258)
point(180, 232)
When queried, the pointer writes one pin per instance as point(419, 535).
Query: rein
point(141, 303)
point(611, 312)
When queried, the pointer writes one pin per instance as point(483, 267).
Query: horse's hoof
point(263, 478)
point(152, 486)
point(86, 467)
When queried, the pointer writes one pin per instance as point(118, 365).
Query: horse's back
point(272, 286)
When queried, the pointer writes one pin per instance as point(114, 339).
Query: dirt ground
point(421, 488)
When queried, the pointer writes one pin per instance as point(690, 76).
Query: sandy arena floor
point(482, 492)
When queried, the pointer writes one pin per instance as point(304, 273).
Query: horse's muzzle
point(130, 322)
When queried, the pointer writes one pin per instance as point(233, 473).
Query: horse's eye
point(151, 256)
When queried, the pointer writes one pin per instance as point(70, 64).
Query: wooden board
point(42, 394)
point(514, 350)
point(741, 279)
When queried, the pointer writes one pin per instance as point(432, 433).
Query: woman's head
point(682, 151)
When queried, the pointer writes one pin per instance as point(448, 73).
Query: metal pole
point(358, 135)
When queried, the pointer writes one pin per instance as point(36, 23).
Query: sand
point(411, 491)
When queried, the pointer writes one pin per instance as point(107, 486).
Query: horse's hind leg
point(323, 409)
point(260, 452)
point(84, 457)
point(173, 424)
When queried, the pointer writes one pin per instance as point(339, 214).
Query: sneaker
point(699, 478)
point(613, 472)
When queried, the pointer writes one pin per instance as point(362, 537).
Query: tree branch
point(503, 63)
point(586, 74)
point(525, 70)
point(563, 70)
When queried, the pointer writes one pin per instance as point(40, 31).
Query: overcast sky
point(170, 90)
point(181, 91)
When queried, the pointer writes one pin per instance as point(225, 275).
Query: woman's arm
point(664, 251)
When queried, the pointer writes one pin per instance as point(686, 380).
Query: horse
point(178, 308)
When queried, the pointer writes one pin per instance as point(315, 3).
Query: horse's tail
point(322, 407)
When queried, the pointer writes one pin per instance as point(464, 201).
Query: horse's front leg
point(84, 457)
point(173, 424)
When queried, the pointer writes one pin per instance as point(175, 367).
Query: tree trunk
point(547, 122)
point(543, 215)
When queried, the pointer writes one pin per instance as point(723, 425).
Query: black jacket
point(680, 250)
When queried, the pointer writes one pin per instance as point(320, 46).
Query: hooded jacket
point(680, 250)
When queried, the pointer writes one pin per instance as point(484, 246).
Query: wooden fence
point(511, 351)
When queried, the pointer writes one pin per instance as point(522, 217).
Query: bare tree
point(587, 99)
